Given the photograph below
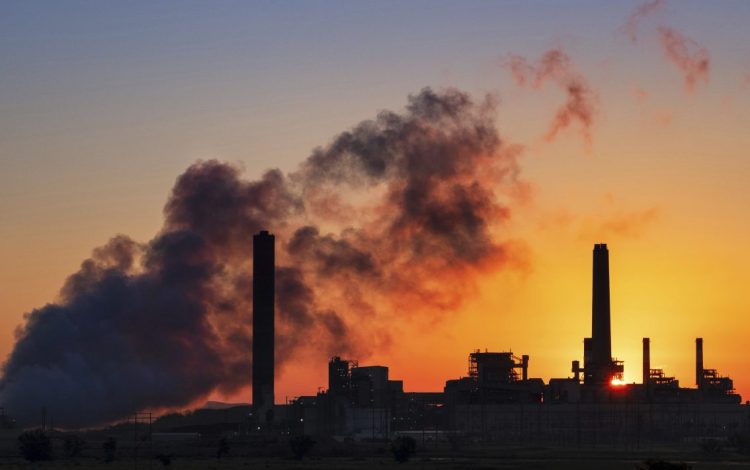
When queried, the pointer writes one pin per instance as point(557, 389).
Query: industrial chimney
point(699, 362)
point(263, 322)
point(601, 342)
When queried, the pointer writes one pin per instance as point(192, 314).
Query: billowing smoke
point(556, 66)
point(392, 220)
point(690, 57)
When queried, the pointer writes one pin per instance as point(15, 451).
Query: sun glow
point(617, 382)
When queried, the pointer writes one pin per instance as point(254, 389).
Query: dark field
point(592, 463)
point(244, 454)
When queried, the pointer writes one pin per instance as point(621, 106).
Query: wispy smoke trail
point(556, 66)
point(687, 55)
point(393, 218)
point(643, 11)
point(691, 58)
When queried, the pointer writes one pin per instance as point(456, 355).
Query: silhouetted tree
point(223, 447)
point(455, 441)
point(73, 446)
point(110, 449)
point(403, 447)
point(35, 445)
point(301, 446)
point(165, 459)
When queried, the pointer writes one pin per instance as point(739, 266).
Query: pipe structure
point(699, 362)
point(646, 360)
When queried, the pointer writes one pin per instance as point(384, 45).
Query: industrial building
point(498, 400)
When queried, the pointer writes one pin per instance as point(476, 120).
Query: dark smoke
point(556, 66)
point(690, 57)
point(393, 219)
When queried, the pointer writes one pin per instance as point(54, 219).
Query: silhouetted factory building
point(263, 322)
point(497, 400)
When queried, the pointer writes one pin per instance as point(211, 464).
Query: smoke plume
point(556, 66)
point(687, 55)
point(392, 219)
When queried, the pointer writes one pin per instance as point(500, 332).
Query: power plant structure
point(497, 400)
point(264, 291)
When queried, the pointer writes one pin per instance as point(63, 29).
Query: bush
point(403, 448)
point(223, 447)
point(165, 459)
point(711, 446)
point(73, 446)
point(653, 464)
point(35, 445)
point(110, 449)
point(301, 446)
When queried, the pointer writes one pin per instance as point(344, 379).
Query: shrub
point(110, 449)
point(165, 459)
point(711, 446)
point(741, 442)
point(35, 445)
point(223, 447)
point(301, 446)
point(653, 464)
point(403, 447)
point(73, 446)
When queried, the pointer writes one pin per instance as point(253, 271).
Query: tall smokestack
point(646, 360)
point(699, 362)
point(601, 341)
point(263, 321)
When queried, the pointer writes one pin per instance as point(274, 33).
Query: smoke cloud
point(391, 220)
point(556, 66)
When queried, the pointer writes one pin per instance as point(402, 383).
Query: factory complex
point(498, 400)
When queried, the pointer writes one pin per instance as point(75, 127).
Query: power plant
point(497, 399)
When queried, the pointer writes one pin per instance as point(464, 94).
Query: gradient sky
point(104, 104)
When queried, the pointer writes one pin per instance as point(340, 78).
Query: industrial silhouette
point(497, 400)
point(264, 267)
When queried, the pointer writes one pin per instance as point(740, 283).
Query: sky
point(104, 104)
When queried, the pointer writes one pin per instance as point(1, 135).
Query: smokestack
point(601, 347)
point(525, 367)
point(587, 360)
point(699, 362)
point(263, 321)
point(646, 360)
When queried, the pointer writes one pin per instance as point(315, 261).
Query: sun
point(617, 382)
